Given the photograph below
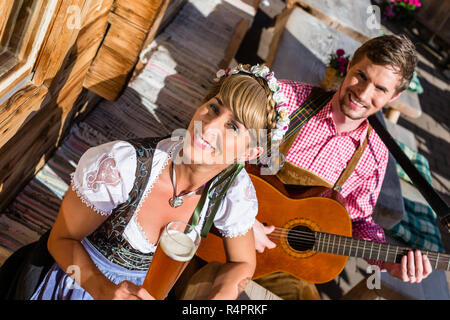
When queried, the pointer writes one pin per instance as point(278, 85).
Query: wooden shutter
point(131, 24)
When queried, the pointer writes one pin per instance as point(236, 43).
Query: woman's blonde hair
point(250, 99)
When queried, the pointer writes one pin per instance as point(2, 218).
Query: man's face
point(367, 88)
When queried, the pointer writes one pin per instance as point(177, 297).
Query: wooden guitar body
point(292, 208)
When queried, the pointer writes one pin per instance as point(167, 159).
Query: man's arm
point(414, 267)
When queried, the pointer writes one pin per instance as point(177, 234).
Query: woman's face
point(216, 136)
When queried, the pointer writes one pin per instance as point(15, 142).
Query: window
point(22, 30)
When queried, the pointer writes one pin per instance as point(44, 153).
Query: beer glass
point(176, 247)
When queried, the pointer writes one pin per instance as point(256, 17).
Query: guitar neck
point(341, 245)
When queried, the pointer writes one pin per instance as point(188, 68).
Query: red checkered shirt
point(320, 149)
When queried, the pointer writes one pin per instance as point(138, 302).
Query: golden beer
point(175, 250)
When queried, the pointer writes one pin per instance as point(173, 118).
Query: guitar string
point(308, 236)
point(380, 251)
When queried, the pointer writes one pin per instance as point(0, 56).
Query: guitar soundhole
point(301, 238)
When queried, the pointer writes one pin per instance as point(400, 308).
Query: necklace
point(177, 201)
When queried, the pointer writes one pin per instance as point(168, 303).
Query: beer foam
point(177, 245)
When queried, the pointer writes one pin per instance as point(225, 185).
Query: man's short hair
point(393, 50)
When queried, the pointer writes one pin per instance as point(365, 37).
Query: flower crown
point(278, 96)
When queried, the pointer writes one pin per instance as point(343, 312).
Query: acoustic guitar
point(313, 233)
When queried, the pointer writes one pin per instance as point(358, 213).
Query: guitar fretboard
point(341, 245)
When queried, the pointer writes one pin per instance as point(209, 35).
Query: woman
point(123, 193)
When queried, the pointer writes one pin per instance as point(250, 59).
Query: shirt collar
point(358, 135)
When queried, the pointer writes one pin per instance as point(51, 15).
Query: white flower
point(277, 134)
point(273, 84)
point(220, 73)
point(281, 124)
point(261, 71)
point(279, 97)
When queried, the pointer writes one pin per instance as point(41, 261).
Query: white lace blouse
point(105, 175)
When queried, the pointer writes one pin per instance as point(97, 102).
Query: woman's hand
point(125, 290)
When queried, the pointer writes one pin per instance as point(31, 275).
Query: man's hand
point(261, 240)
point(413, 268)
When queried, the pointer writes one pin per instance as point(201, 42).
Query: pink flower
point(389, 12)
point(342, 61)
point(340, 52)
point(341, 69)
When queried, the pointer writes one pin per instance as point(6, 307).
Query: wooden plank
point(32, 30)
point(25, 153)
point(5, 10)
point(16, 75)
point(132, 25)
point(19, 109)
point(124, 38)
point(233, 47)
point(61, 38)
point(82, 52)
point(97, 10)
point(115, 59)
point(7, 62)
point(74, 71)
point(10, 26)
point(17, 100)
point(140, 13)
point(108, 77)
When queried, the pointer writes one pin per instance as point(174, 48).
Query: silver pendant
point(175, 202)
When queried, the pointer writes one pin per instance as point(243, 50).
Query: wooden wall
point(435, 15)
point(89, 50)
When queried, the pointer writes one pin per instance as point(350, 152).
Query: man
point(377, 74)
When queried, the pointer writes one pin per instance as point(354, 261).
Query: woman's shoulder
point(239, 207)
point(105, 174)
